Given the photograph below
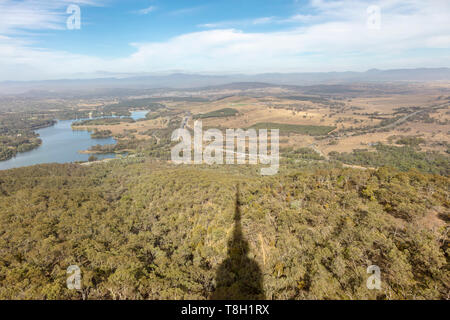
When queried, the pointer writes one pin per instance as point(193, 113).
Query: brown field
point(350, 112)
point(139, 126)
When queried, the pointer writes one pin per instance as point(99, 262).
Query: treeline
point(17, 133)
point(403, 158)
point(102, 121)
point(122, 107)
point(222, 113)
point(301, 153)
point(150, 230)
point(412, 141)
point(313, 99)
point(101, 134)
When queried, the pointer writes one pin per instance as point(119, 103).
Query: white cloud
point(263, 20)
point(186, 11)
point(18, 17)
point(413, 34)
point(238, 23)
point(147, 10)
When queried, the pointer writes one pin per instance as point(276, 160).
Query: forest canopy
point(149, 230)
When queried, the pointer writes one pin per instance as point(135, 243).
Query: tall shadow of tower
point(238, 277)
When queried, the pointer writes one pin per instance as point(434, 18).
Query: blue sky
point(108, 30)
point(214, 36)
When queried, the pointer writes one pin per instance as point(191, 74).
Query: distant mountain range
point(183, 80)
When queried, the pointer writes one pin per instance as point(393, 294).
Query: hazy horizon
point(199, 80)
point(99, 75)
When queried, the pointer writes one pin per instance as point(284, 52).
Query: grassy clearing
point(295, 128)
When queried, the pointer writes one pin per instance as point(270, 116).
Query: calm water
point(140, 114)
point(61, 144)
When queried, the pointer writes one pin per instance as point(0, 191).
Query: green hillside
point(149, 230)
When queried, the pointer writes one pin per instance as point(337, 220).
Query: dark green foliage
point(17, 134)
point(225, 112)
point(148, 103)
point(101, 134)
point(155, 231)
point(102, 121)
point(302, 153)
point(308, 98)
point(402, 158)
point(238, 277)
point(119, 147)
point(410, 141)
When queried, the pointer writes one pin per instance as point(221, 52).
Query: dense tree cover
point(120, 147)
point(162, 113)
point(301, 153)
point(101, 134)
point(17, 133)
point(402, 158)
point(145, 103)
point(11, 145)
point(411, 141)
point(158, 146)
point(102, 121)
point(315, 99)
point(222, 113)
point(92, 158)
point(142, 229)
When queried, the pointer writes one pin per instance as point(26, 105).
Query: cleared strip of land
point(295, 128)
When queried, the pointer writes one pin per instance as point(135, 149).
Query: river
point(60, 144)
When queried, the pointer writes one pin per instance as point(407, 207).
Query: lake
point(61, 144)
point(138, 114)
